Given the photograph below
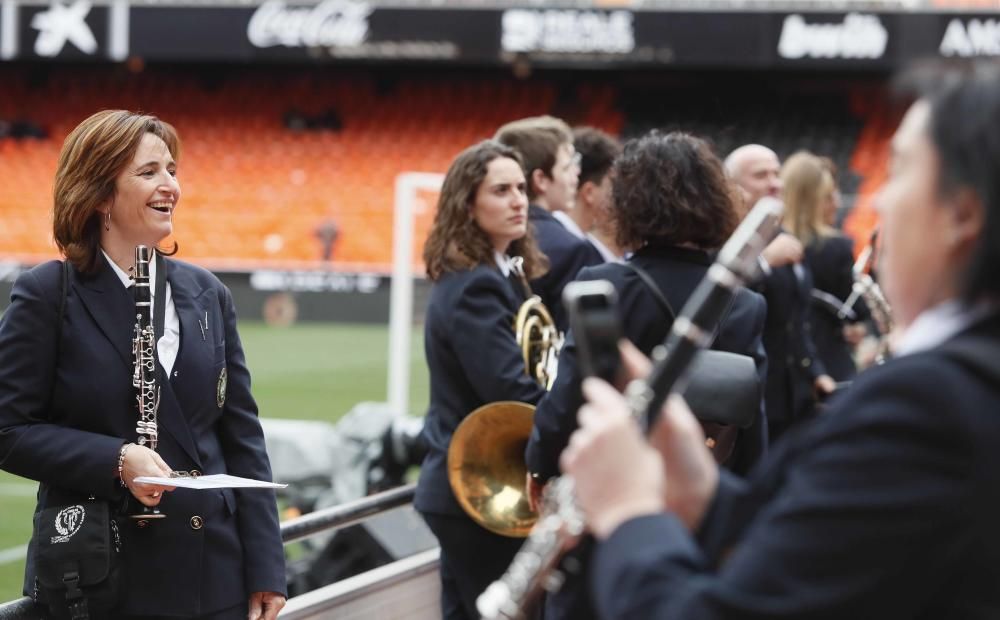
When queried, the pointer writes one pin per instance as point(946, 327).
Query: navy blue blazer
point(677, 271)
point(473, 359)
point(831, 262)
point(884, 508)
point(793, 365)
point(567, 256)
point(180, 565)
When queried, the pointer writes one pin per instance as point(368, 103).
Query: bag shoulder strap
point(63, 293)
point(653, 288)
point(661, 299)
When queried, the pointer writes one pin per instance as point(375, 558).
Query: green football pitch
point(306, 372)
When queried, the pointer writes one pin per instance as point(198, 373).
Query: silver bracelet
point(121, 464)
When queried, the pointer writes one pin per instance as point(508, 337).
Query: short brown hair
point(92, 157)
point(537, 139)
point(672, 188)
point(598, 152)
point(456, 242)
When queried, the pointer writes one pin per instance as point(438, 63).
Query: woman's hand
point(141, 461)
point(265, 605)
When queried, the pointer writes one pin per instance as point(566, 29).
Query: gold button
point(197, 522)
point(194, 473)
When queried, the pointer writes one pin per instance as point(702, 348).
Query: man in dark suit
point(887, 506)
point(551, 168)
point(591, 214)
point(795, 374)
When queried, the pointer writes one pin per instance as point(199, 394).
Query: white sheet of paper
point(213, 481)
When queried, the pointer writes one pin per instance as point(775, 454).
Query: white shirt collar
point(606, 254)
point(569, 224)
point(938, 324)
point(126, 278)
point(503, 262)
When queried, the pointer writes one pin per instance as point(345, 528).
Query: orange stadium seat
point(254, 190)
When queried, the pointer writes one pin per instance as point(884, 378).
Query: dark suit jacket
point(473, 360)
point(70, 443)
point(677, 271)
point(791, 356)
point(567, 255)
point(831, 262)
point(885, 507)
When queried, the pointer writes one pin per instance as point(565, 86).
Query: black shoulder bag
point(723, 388)
point(76, 542)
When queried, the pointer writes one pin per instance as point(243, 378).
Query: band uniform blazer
point(567, 255)
point(830, 260)
point(885, 507)
point(793, 365)
point(677, 271)
point(473, 359)
point(215, 546)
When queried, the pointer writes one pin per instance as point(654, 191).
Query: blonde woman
point(809, 191)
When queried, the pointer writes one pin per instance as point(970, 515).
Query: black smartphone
point(593, 318)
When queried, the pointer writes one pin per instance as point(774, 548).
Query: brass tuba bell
point(486, 467)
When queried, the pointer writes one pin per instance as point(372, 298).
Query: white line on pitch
point(13, 554)
point(18, 489)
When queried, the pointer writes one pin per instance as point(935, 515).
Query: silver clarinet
point(868, 290)
point(534, 568)
point(147, 392)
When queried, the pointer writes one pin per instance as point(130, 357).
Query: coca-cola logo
point(858, 36)
point(332, 23)
point(978, 37)
point(568, 31)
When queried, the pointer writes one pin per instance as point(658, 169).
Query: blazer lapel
point(112, 308)
point(171, 413)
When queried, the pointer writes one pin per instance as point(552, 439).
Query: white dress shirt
point(606, 254)
point(167, 346)
point(569, 224)
point(503, 262)
point(938, 324)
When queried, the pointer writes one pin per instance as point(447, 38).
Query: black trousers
point(239, 612)
point(471, 559)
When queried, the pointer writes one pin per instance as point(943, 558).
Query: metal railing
point(307, 525)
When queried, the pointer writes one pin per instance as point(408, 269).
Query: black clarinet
point(144, 380)
point(534, 568)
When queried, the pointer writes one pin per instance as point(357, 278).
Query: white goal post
point(407, 205)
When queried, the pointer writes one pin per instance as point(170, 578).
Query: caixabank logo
point(64, 30)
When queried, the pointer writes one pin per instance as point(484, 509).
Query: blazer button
point(806, 362)
point(194, 473)
point(197, 522)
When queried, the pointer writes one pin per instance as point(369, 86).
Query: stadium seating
point(255, 190)
point(272, 153)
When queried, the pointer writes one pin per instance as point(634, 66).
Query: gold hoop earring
point(107, 220)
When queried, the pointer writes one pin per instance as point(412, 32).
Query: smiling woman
point(68, 409)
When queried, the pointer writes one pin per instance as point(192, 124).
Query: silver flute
point(147, 392)
point(534, 568)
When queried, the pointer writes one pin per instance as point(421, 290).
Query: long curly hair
point(456, 241)
point(672, 188)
